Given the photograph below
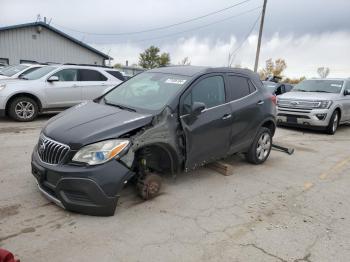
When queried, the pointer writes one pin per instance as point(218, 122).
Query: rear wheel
point(261, 147)
point(149, 185)
point(23, 109)
point(333, 123)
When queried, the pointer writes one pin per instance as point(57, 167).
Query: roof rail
point(88, 65)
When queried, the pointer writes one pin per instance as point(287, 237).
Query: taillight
point(274, 99)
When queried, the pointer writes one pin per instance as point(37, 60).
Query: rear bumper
point(91, 190)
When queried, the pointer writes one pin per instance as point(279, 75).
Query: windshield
point(13, 70)
point(39, 73)
point(5, 68)
point(323, 86)
point(270, 86)
point(148, 91)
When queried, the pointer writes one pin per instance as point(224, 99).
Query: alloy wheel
point(263, 146)
point(24, 110)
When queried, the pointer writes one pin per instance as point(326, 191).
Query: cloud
point(303, 54)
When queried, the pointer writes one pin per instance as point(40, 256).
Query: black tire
point(149, 185)
point(333, 123)
point(29, 108)
point(258, 158)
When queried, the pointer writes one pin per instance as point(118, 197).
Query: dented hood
point(92, 122)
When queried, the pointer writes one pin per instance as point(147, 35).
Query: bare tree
point(185, 61)
point(323, 72)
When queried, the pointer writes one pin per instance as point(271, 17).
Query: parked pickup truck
point(161, 121)
point(317, 103)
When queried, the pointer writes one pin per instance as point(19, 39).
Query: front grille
point(300, 104)
point(50, 151)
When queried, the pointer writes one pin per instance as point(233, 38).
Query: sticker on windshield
point(175, 81)
point(335, 85)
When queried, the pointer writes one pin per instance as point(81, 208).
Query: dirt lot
point(293, 208)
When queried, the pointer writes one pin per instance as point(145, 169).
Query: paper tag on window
point(335, 85)
point(175, 81)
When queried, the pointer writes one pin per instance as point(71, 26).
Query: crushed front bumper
point(91, 190)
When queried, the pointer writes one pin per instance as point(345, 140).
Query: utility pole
point(260, 35)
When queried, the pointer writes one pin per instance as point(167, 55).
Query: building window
point(4, 61)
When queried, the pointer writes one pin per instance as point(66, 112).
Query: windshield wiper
point(24, 78)
point(300, 90)
point(320, 91)
point(117, 105)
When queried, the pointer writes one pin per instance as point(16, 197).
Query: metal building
point(40, 42)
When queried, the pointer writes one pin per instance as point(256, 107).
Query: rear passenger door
point(93, 83)
point(65, 92)
point(208, 133)
point(246, 106)
point(346, 100)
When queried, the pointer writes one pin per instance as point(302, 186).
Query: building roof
point(47, 26)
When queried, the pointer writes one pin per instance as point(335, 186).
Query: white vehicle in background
point(18, 71)
point(54, 88)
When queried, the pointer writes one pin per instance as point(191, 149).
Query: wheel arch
point(270, 124)
point(21, 94)
point(164, 152)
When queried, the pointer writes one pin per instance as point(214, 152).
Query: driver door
point(207, 134)
point(65, 92)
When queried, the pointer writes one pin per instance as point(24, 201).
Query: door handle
point(261, 102)
point(226, 116)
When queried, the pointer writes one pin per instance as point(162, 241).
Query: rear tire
point(23, 109)
point(261, 147)
point(333, 123)
point(149, 185)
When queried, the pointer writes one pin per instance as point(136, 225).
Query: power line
point(199, 27)
point(234, 53)
point(158, 28)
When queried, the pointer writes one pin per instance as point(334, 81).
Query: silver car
point(316, 103)
point(18, 71)
point(54, 88)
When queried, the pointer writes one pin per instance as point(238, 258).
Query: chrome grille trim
point(302, 104)
point(50, 151)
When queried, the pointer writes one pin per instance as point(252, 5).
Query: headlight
point(2, 86)
point(100, 152)
point(325, 104)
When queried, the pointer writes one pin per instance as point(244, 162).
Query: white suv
point(17, 71)
point(54, 88)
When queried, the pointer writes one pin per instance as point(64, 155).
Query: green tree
point(117, 65)
point(151, 58)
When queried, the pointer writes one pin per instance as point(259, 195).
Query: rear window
point(91, 75)
point(116, 74)
point(239, 87)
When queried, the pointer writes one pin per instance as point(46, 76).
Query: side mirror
point(197, 108)
point(346, 92)
point(53, 79)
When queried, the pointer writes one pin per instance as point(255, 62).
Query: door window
point(67, 75)
point(239, 87)
point(210, 91)
point(91, 75)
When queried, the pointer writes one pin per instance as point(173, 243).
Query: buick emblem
point(41, 146)
point(294, 103)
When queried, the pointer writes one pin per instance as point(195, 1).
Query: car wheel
point(333, 123)
point(23, 109)
point(149, 185)
point(261, 147)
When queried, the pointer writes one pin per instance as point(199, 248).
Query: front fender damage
point(165, 132)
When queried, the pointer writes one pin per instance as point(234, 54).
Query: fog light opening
point(321, 116)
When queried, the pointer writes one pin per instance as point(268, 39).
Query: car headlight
point(2, 86)
point(100, 152)
point(325, 104)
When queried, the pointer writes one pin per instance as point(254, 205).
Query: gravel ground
point(292, 208)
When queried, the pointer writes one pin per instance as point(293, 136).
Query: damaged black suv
point(165, 120)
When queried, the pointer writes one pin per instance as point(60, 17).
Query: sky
point(306, 33)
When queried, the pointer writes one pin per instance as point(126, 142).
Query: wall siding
point(18, 44)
